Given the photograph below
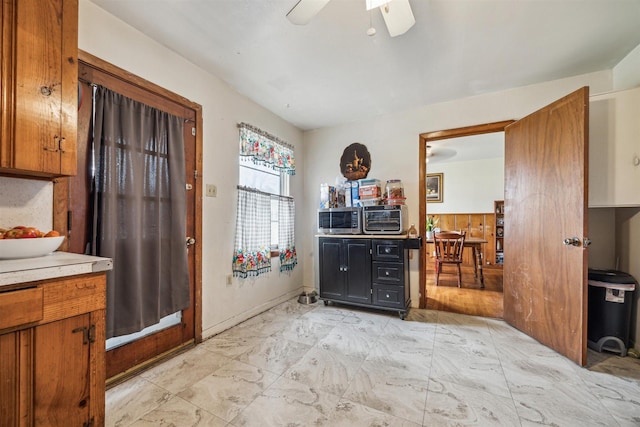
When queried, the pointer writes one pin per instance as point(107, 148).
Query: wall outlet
point(211, 190)
point(229, 279)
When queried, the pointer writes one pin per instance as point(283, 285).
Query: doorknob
point(572, 241)
point(190, 241)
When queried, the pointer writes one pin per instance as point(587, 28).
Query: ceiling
point(330, 72)
point(467, 148)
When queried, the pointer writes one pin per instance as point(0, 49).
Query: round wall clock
point(355, 162)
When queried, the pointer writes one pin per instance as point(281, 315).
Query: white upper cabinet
point(614, 149)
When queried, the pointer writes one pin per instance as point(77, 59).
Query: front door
point(545, 277)
point(183, 331)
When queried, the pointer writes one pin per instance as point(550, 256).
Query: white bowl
point(29, 248)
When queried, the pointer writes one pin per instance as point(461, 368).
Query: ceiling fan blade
point(398, 16)
point(305, 10)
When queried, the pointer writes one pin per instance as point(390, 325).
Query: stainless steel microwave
point(385, 219)
point(340, 221)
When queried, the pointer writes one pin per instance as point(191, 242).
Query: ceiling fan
point(439, 154)
point(397, 14)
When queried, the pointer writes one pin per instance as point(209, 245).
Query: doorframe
point(424, 139)
point(61, 185)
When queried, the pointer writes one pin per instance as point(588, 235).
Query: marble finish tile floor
point(317, 365)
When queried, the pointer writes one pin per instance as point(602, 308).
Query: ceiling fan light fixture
point(305, 10)
point(398, 17)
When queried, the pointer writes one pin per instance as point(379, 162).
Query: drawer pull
point(386, 272)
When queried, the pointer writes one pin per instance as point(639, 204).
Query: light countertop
point(54, 265)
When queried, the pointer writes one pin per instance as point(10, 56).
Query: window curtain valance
point(264, 148)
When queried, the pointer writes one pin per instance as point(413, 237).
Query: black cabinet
point(367, 272)
point(345, 270)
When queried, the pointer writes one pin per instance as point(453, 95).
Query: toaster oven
point(385, 219)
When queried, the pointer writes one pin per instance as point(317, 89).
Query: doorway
point(184, 328)
point(545, 230)
point(467, 146)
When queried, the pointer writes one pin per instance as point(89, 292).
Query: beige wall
point(469, 186)
point(224, 305)
point(628, 252)
point(602, 233)
point(393, 142)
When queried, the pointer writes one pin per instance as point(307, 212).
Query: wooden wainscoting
point(481, 225)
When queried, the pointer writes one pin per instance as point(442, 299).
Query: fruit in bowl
point(22, 232)
point(27, 242)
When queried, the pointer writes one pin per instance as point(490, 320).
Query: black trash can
point(610, 304)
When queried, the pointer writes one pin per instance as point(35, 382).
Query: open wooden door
point(545, 272)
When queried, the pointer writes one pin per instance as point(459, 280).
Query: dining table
point(475, 244)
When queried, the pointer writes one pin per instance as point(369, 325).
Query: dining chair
point(448, 245)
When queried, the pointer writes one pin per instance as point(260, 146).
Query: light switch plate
point(211, 190)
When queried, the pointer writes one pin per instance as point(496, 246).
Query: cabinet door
point(614, 149)
point(62, 383)
point(40, 97)
point(16, 374)
point(358, 270)
point(332, 278)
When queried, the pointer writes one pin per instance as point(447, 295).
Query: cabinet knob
point(387, 296)
point(386, 272)
point(387, 250)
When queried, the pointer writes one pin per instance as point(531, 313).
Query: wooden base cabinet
point(52, 368)
point(365, 272)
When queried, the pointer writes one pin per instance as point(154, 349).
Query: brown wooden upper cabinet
point(39, 87)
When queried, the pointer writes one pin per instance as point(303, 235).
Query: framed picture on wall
point(434, 187)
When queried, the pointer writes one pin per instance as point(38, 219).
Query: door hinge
point(195, 174)
point(91, 334)
point(88, 334)
point(193, 131)
point(371, 291)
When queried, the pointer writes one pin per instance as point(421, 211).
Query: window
point(265, 220)
point(265, 178)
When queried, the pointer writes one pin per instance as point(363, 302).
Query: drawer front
point(20, 307)
point(388, 250)
point(388, 296)
point(73, 296)
point(387, 272)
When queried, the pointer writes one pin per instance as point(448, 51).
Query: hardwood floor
point(470, 298)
